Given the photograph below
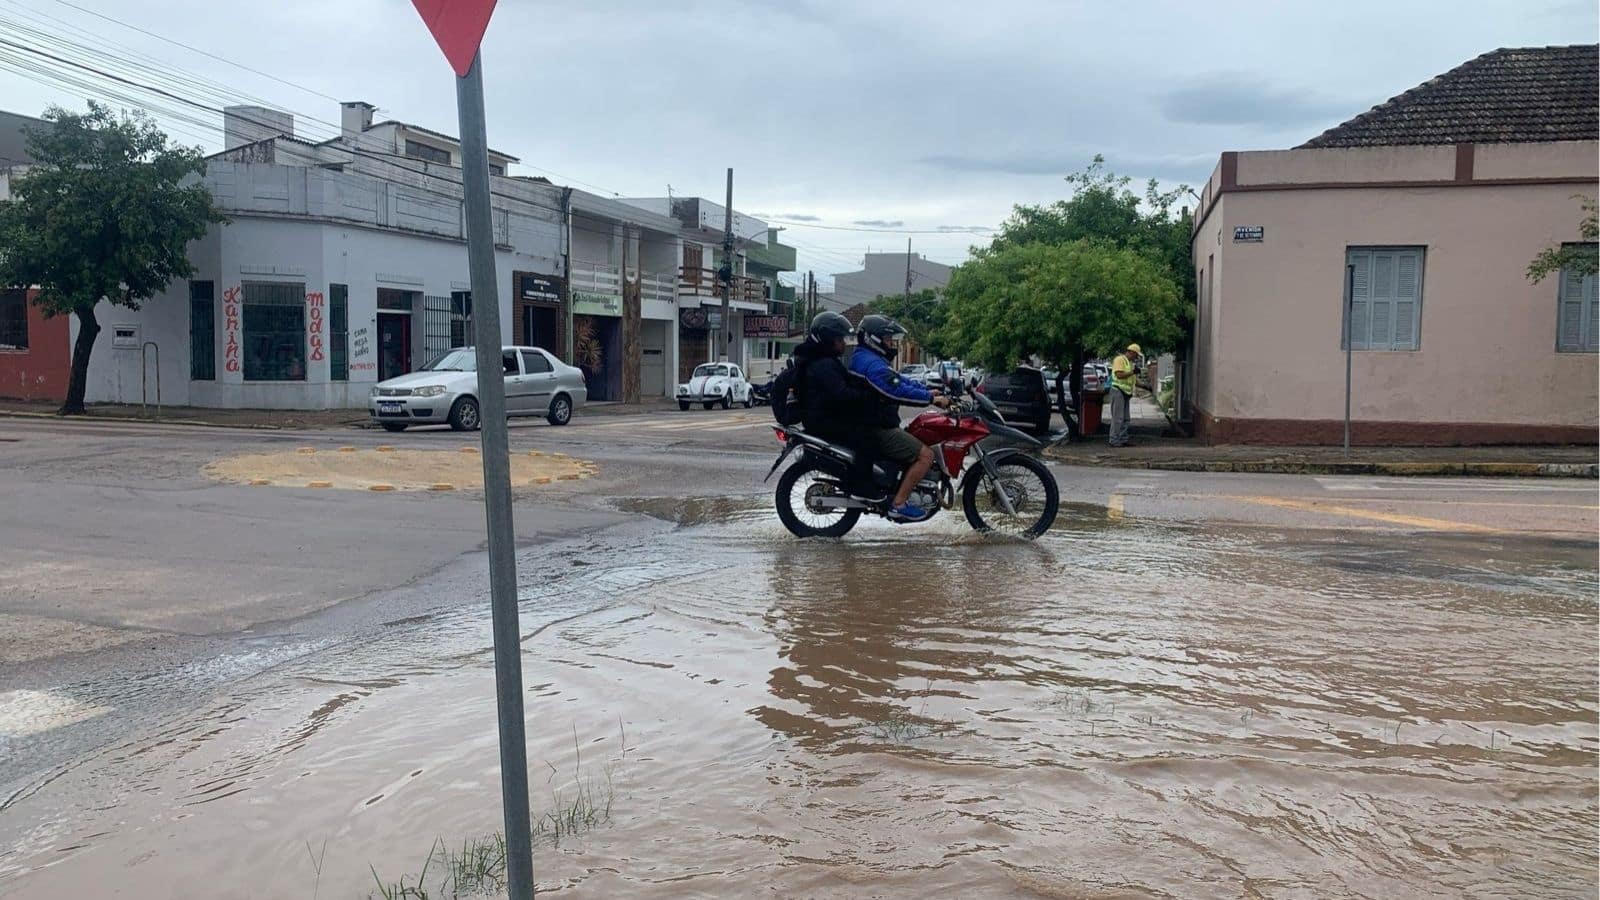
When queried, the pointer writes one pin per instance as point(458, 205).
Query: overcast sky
point(884, 114)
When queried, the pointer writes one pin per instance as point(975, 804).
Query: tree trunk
point(88, 330)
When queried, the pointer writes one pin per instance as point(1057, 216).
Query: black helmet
point(828, 326)
point(875, 332)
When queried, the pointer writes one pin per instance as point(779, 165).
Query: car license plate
point(391, 408)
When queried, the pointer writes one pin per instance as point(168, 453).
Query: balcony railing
point(603, 278)
point(703, 283)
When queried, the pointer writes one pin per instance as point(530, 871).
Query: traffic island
point(389, 469)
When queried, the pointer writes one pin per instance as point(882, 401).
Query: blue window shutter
point(1381, 308)
point(1360, 296)
point(1570, 335)
point(1407, 298)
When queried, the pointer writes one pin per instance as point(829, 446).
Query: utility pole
point(727, 267)
point(908, 273)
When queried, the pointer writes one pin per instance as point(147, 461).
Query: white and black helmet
point(876, 331)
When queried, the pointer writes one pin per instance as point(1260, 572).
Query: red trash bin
point(1093, 402)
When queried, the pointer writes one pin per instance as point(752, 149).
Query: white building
point(884, 274)
point(344, 263)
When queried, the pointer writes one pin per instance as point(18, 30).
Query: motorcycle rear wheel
point(798, 482)
point(1029, 485)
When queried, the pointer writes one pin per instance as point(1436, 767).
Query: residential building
point(1407, 231)
point(769, 339)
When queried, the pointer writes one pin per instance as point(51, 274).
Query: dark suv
point(1022, 397)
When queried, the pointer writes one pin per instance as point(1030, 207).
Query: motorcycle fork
point(992, 475)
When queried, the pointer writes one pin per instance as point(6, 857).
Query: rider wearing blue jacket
point(877, 342)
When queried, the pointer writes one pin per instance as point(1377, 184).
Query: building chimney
point(247, 124)
point(355, 116)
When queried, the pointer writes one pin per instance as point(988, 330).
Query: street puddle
point(1115, 710)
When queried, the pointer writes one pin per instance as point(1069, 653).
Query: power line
point(949, 229)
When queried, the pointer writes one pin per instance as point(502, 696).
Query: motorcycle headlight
point(429, 390)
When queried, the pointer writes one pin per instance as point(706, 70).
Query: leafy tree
point(1057, 300)
point(106, 214)
point(923, 316)
point(1580, 258)
point(1049, 284)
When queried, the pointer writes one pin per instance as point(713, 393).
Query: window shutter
point(1408, 265)
point(1591, 303)
point(1569, 330)
point(1381, 306)
point(1360, 295)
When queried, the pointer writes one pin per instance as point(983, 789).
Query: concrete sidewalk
point(1188, 455)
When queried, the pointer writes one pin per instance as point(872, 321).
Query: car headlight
point(714, 389)
point(683, 389)
point(429, 390)
point(374, 392)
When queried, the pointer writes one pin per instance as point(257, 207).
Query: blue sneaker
point(909, 512)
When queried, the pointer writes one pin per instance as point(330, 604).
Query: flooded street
point(1121, 709)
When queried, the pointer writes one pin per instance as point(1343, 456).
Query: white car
point(715, 383)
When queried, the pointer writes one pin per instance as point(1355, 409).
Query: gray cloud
point(1236, 98)
point(1188, 168)
point(794, 217)
point(879, 223)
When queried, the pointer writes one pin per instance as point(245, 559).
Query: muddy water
point(1115, 711)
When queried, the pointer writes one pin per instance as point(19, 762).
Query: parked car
point(1021, 396)
point(446, 390)
point(916, 372)
point(715, 383)
point(1096, 376)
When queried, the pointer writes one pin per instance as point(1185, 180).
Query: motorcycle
point(761, 394)
point(1004, 489)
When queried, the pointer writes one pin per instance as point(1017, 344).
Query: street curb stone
point(1394, 468)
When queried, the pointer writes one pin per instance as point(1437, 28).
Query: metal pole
point(496, 485)
point(727, 260)
point(908, 276)
point(1349, 345)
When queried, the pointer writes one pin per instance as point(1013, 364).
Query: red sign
point(458, 27)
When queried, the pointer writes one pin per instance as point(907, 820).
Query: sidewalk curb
point(242, 426)
point(1396, 468)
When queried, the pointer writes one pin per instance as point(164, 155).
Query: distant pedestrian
point(1124, 375)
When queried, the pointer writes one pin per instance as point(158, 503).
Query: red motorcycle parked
point(1002, 489)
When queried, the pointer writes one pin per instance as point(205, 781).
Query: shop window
point(202, 331)
point(274, 331)
point(460, 318)
point(339, 332)
point(1578, 309)
point(13, 320)
point(1384, 285)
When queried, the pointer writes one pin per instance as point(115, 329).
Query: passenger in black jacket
point(835, 405)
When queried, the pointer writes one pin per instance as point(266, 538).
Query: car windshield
point(464, 359)
point(704, 371)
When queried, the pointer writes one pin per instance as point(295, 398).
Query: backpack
point(783, 394)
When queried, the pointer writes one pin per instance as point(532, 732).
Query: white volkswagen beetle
point(715, 383)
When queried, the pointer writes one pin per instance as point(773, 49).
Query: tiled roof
point(855, 314)
point(1510, 95)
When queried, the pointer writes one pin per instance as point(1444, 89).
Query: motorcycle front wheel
point(800, 484)
point(1027, 483)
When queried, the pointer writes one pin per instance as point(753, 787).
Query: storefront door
point(394, 345)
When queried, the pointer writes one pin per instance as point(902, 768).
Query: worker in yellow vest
point(1124, 372)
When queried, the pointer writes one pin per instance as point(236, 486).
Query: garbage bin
point(1089, 419)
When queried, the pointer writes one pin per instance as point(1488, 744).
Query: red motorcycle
point(1003, 489)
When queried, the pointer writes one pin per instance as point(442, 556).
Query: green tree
point(1580, 258)
point(1058, 300)
point(106, 214)
point(923, 316)
point(1042, 286)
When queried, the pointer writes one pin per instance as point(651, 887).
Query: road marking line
point(1114, 509)
point(1422, 522)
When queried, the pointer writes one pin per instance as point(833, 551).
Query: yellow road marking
point(1422, 522)
point(1114, 507)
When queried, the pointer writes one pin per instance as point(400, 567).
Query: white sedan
point(715, 383)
